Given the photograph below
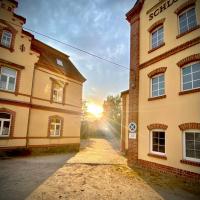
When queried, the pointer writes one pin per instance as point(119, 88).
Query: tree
point(112, 108)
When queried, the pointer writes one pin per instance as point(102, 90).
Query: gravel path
point(99, 172)
point(20, 176)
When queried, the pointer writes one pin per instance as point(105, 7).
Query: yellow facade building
point(40, 89)
point(164, 90)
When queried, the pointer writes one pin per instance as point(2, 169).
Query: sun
point(95, 110)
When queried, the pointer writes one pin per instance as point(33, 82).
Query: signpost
point(132, 128)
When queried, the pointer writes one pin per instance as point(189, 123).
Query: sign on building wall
point(132, 128)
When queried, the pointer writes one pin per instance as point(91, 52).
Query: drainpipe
point(29, 112)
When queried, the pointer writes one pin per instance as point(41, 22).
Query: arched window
point(5, 122)
point(6, 38)
point(187, 20)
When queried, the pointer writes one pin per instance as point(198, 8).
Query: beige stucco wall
point(175, 109)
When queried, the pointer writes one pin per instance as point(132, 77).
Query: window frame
point(151, 37)
point(11, 39)
point(61, 123)
point(185, 66)
point(8, 78)
point(151, 87)
point(59, 62)
point(57, 90)
point(1, 127)
point(184, 145)
point(181, 13)
point(151, 142)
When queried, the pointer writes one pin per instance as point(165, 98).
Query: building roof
point(136, 9)
point(48, 60)
point(124, 92)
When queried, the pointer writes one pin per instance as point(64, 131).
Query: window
point(187, 20)
point(55, 126)
point(157, 37)
point(192, 145)
point(158, 142)
point(5, 120)
point(191, 76)
point(8, 79)
point(57, 93)
point(6, 39)
point(158, 85)
point(59, 62)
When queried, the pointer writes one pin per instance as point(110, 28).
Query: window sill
point(189, 31)
point(189, 162)
point(7, 91)
point(158, 97)
point(153, 49)
point(8, 48)
point(164, 157)
point(54, 137)
point(4, 137)
point(61, 103)
point(189, 91)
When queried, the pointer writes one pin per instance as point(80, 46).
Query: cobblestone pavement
point(98, 171)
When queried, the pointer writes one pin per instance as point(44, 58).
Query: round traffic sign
point(132, 127)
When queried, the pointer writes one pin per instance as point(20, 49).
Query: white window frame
point(59, 62)
point(151, 95)
point(189, 64)
point(184, 145)
point(56, 97)
point(54, 130)
point(6, 43)
point(2, 122)
point(151, 142)
point(153, 31)
point(8, 77)
point(185, 11)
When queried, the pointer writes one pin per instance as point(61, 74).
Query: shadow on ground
point(20, 176)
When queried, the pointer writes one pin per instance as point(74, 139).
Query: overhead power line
point(73, 47)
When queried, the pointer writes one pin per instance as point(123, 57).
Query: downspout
point(29, 112)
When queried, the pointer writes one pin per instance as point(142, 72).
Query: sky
point(96, 26)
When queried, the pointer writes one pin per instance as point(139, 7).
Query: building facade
point(164, 89)
point(40, 89)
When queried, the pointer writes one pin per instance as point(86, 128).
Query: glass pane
point(196, 67)
point(4, 115)
point(189, 136)
point(155, 87)
point(155, 93)
point(57, 120)
point(161, 134)
point(196, 84)
point(155, 141)
point(187, 70)
point(190, 145)
point(6, 126)
point(155, 148)
point(154, 80)
point(182, 17)
point(187, 78)
point(58, 127)
point(197, 145)
point(162, 141)
point(155, 134)
point(197, 136)
point(161, 92)
point(162, 85)
point(196, 75)
point(3, 81)
point(52, 127)
point(53, 120)
point(187, 86)
point(51, 132)
point(8, 71)
point(11, 84)
point(162, 149)
point(198, 154)
point(190, 153)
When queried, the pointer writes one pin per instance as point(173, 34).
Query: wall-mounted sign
point(132, 135)
point(160, 9)
point(132, 127)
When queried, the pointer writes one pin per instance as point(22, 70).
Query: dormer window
point(59, 62)
point(6, 39)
